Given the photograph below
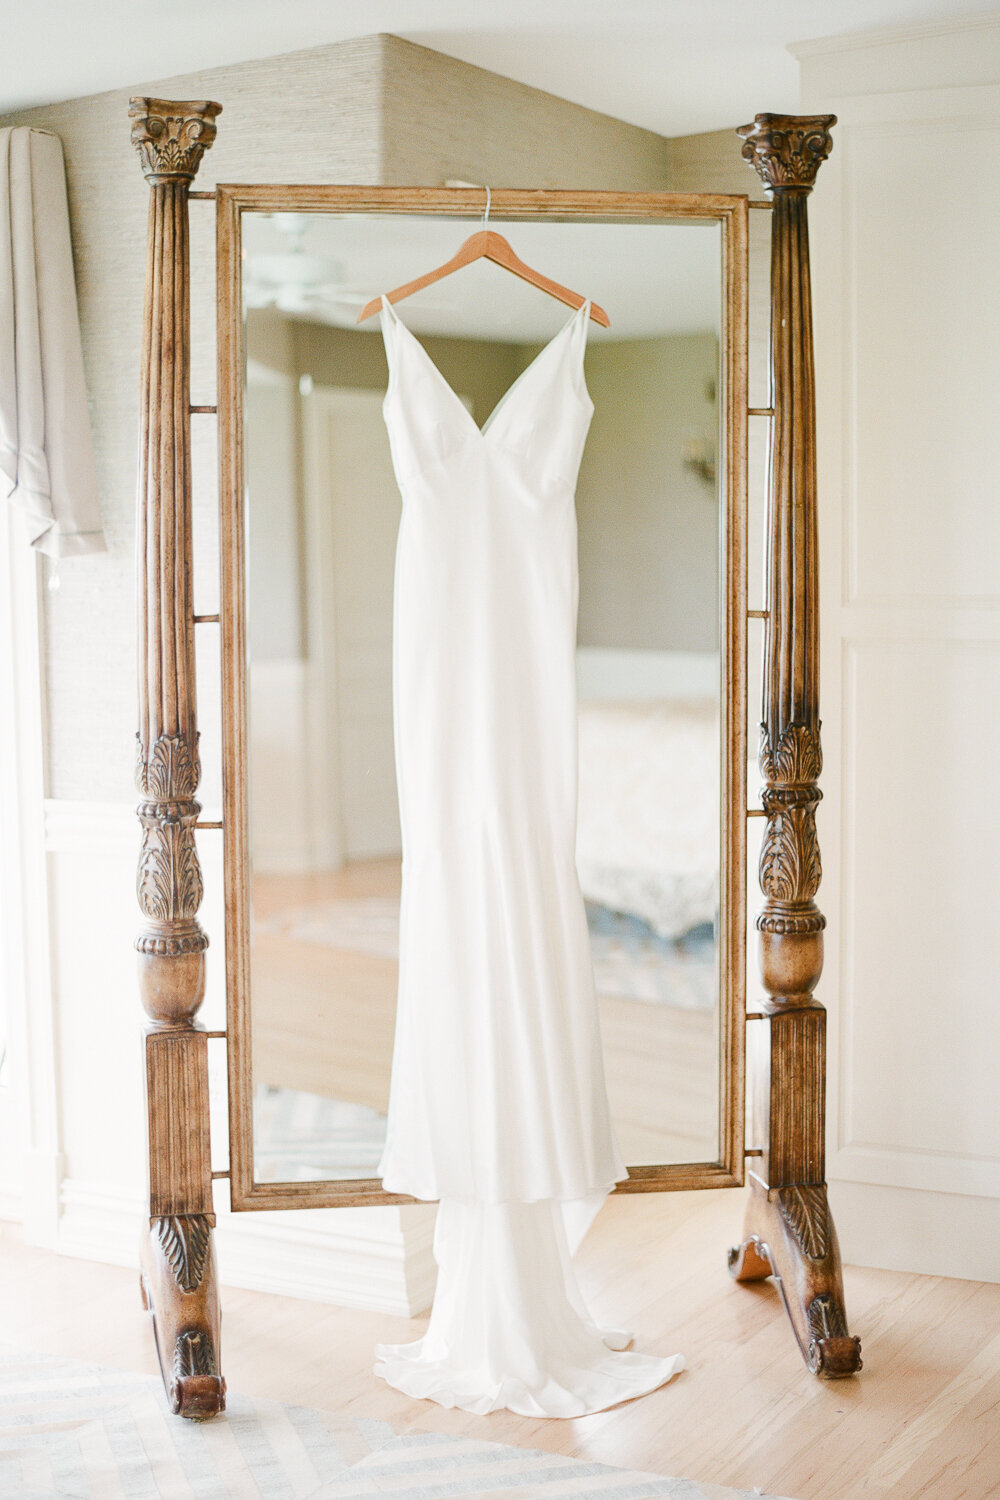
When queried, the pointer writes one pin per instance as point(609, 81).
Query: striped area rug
point(70, 1430)
point(76, 1431)
point(428, 1466)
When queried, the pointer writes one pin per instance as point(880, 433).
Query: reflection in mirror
point(323, 511)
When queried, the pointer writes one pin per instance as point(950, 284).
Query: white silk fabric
point(498, 1105)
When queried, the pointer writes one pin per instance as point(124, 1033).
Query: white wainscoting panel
point(921, 1028)
point(376, 1258)
point(922, 349)
point(907, 315)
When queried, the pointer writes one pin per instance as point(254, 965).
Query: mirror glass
point(322, 514)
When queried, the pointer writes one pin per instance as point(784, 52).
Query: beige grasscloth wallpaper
point(377, 109)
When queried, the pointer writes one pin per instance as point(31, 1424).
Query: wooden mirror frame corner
point(788, 1231)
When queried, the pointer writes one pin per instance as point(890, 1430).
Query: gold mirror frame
point(731, 213)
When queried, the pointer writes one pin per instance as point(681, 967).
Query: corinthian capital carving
point(787, 150)
point(171, 136)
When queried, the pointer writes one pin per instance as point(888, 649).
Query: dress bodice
point(539, 425)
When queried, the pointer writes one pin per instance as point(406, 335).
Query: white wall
point(648, 526)
point(905, 229)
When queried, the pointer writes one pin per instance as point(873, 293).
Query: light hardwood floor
point(921, 1420)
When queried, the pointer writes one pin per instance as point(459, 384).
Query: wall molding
point(29, 1099)
point(889, 36)
point(377, 1259)
point(906, 1229)
point(106, 828)
point(914, 1168)
point(855, 1158)
point(380, 1259)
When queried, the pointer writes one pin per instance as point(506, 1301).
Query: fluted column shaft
point(787, 152)
point(169, 886)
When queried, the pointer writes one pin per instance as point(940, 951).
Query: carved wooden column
point(789, 1232)
point(178, 1265)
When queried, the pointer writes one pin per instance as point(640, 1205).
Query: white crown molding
point(890, 35)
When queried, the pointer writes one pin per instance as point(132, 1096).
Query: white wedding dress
point(498, 1105)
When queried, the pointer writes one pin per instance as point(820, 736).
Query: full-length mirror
point(312, 518)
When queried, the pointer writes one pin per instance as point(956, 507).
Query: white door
point(352, 509)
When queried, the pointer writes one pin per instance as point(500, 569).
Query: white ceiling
point(651, 279)
point(674, 66)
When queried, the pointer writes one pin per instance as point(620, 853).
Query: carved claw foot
point(789, 1234)
point(178, 1287)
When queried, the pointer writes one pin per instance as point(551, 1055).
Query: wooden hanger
point(486, 244)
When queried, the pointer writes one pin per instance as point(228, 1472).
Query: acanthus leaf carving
point(171, 137)
point(790, 864)
point(797, 757)
point(787, 151)
point(168, 881)
point(194, 1354)
point(170, 770)
point(826, 1318)
point(804, 1209)
point(185, 1240)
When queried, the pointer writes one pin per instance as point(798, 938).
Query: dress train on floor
point(509, 1327)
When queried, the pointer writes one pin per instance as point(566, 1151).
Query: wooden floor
point(922, 1419)
point(323, 1022)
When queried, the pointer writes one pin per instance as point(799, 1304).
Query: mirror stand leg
point(788, 1233)
point(179, 1289)
point(788, 1230)
point(178, 1276)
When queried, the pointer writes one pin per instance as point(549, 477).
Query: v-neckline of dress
point(459, 403)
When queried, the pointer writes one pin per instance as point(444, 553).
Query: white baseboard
point(905, 1229)
point(39, 1198)
point(378, 1259)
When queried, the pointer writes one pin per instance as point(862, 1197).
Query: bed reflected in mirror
point(323, 510)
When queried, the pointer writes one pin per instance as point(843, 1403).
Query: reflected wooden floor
point(323, 1022)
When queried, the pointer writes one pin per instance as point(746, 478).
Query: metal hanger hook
point(486, 210)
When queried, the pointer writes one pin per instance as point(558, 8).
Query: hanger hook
point(486, 210)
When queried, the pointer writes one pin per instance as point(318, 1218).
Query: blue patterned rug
point(631, 959)
point(76, 1431)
